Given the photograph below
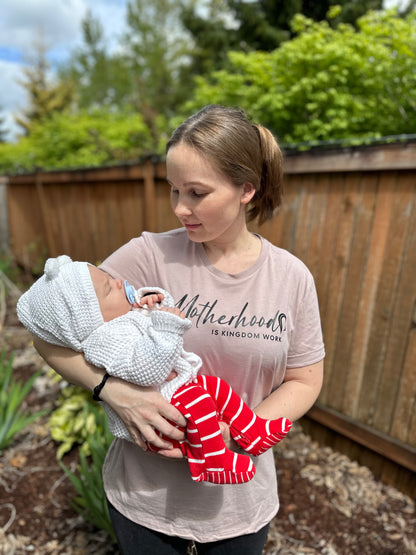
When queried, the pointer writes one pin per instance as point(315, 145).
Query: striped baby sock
point(208, 458)
point(254, 434)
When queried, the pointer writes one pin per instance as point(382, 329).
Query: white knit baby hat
point(61, 307)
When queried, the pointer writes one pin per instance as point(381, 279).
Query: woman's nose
point(181, 208)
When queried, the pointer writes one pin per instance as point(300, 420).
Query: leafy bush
point(91, 501)
point(326, 83)
point(66, 140)
point(75, 420)
point(12, 394)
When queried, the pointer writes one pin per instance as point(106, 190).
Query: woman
point(255, 323)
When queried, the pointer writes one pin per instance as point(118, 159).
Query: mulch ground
point(329, 504)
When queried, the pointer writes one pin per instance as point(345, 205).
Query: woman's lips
point(192, 227)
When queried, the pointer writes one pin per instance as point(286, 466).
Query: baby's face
point(110, 294)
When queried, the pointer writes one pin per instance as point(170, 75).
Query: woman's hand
point(226, 436)
point(144, 411)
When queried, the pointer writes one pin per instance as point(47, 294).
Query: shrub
point(91, 501)
point(13, 418)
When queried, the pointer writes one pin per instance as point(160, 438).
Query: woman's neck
point(234, 256)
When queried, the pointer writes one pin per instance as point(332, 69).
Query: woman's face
point(205, 201)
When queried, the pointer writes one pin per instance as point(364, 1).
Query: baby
point(138, 336)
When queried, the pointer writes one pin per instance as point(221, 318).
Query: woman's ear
point(247, 193)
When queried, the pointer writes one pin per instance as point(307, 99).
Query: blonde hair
point(243, 151)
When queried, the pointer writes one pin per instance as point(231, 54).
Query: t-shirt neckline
point(240, 275)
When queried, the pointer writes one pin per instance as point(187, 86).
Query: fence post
point(4, 221)
point(50, 241)
point(150, 216)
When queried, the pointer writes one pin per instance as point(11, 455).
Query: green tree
point(3, 129)
point(156, 51)
point(213, 34)
point(326, 83)
point(148, 72)
point(248, 25)
point(100, 79)
point(44, 96)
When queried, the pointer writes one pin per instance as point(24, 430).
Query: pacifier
point(130, 293)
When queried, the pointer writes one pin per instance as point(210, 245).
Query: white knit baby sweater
point(142, 347)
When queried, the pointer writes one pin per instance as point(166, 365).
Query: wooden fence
point(349, 214)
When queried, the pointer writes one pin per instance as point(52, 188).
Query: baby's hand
point(173, 310)
point(172, 376)
point(152, 299)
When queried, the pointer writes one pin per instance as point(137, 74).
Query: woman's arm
point(296, 395)
point(142, 409)
point(292, 399)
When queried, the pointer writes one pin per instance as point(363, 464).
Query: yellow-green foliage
point(74, 421)
point(13, 416)
point(326, 83)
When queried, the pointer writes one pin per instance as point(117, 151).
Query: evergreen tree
point(3, 129)
point(44, 95)
point(244, 25)
point(157, 51)
point(148, 73)
point(100, 79)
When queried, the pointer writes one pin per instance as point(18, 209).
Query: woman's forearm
point(295, 396)
point(71, 365)
point(143, 410)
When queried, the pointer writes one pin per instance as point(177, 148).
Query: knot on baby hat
point(53, 265)
point(61, 307)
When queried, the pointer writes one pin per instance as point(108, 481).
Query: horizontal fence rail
point(349, 214)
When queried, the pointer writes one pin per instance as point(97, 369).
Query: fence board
point(398, 275)
point(357, 375)
point(351, 257)
point(318, 191)
point(326, 286)
point(356, 281)
point(382, 298)
point(336, 295)
point(25, 224)
point(404, 421)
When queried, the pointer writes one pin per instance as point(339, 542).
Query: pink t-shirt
point(247, 328)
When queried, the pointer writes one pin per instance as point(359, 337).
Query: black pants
point(134, 539)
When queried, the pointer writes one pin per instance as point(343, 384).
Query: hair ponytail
point(269, 195)
point(242, 151)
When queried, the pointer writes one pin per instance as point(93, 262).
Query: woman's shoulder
point(168, 238)
point(284, 258)
point(142, 247)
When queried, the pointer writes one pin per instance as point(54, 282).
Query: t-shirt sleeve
point(306, 342)
point(133, 262)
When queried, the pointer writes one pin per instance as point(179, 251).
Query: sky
point(59, 24)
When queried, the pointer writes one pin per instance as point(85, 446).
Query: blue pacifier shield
point(130, 292)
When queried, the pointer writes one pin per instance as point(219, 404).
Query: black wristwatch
point(97, 389)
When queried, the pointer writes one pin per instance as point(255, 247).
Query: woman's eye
point(173, 191)
point(197, 194)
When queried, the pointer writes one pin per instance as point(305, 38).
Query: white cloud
point(12, 95)
point(57, 20)
point(58, 23)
